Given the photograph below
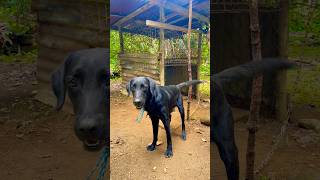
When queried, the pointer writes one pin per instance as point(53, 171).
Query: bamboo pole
point(256, 89)
point(189, 59)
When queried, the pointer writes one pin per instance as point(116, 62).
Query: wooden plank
point(85, 36)
point(139, 67)
point(168, 26)
point(56, 42)
point(135, 13)
point(71, 19)
point(50, 54)
point(138, 55)
point(47, 65)
point(126, 79)
point(139, 61)
point(128, 73)
point(182, 11)
point(148, 71)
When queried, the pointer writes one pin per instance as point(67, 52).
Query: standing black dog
point(85, 76)
point(159, 102)
point(222, 129)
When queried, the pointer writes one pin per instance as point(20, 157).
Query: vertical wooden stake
point(162, 77)
point(256, 89)
point(121, 40)
point(199, 62)
point(282, 100)
point(189, 59)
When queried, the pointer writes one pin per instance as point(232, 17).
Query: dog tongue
point(139, 118)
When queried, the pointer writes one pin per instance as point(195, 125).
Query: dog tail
point(189, 83)
point(252, 69)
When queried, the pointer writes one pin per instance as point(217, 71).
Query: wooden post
point(189, 59)
point(282, 101)
point(199, 62)
point(121, 40)
point(256, 89)
point(162, 80)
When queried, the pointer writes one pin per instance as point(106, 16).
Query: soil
point(130, 158)
point(38, 143)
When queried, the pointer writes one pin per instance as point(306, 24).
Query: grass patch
point(204, 88)
point(307, 89)
point(306, 52)
point(25, 57)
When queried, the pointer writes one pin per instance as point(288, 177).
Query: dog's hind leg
point(155, 127)
point(181, 111)
point(229, 155)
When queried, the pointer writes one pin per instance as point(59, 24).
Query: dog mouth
point(92, 144)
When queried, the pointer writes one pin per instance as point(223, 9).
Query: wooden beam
point(199, 62)
point(182, 11)
point(168, 26)
point(121, 40)
point(135, 13)
point(162, 19)
point(177, 20)
point(189, 58)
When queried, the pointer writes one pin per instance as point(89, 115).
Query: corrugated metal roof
point(136, 25)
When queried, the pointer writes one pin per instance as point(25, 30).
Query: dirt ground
point(131, 160)
point(38, 143)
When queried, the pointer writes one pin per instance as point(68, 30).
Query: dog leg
point(155, 127)
point(181, 111)
point(166, 124)
point(229, 155)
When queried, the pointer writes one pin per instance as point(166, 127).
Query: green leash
point(139, 118)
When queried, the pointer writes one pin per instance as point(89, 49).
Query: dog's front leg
point(166, 123)
point(155, 127)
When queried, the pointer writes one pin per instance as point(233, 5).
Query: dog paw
point(151, 147)
point(168, 153)
point(184, 136)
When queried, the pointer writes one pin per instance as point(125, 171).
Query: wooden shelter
point(162, 20)
point(66, 26)
point(232, 46)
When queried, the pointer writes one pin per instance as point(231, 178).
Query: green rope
point(101, 164)
point(139, 118)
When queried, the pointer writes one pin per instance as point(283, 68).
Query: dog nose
point(88, 126)
point(137, 102)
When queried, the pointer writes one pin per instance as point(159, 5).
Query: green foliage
point(25, 57)
point(17, 15)
point(305, 90)
point(304, 19)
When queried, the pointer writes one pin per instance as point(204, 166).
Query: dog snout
point(88, 127)
point(137, 102)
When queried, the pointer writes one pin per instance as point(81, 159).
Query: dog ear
point(128, 86)
point(152, 86)
point(58, 83)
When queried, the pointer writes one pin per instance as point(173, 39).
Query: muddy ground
point(38, 143)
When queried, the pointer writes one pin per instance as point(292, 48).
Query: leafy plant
point(4, 35)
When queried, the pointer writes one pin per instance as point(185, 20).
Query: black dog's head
point(85, 76)
point(141, 88)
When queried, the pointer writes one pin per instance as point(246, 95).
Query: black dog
point(159, 102)
point(222, 129)
point(85, 75)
